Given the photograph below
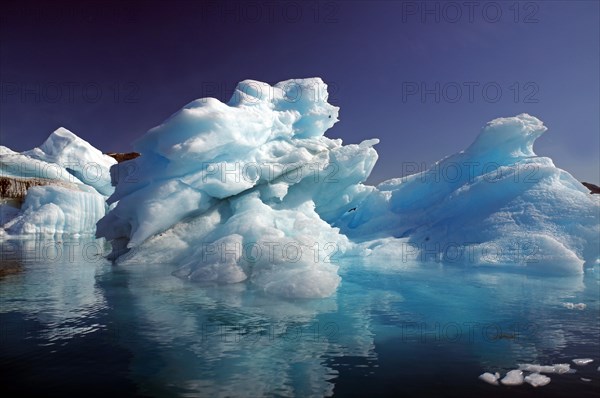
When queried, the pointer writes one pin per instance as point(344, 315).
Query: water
point(73, 324)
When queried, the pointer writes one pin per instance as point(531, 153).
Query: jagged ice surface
point(63, 185)
point(253, 190)
point(495, 203)
point(231, 187)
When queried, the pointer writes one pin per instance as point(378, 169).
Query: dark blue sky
point(110, 71)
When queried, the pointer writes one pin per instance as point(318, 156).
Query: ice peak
point(60, 139)
point(78, 157)
point(258, 114)
point(509, 136)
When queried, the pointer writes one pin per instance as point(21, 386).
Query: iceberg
point(225, 191)
point(252, 190)
point(494, 204)
point(59, 187)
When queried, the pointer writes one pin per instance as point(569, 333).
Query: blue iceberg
point(59, 187)
point(253, 190)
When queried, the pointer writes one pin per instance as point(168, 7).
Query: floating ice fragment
point(490, 378)
point(536, 368)
point(513, 378)
point(582, 361)
point(559, 368)
point(586, 380)
point(537, 380)
point(573, 306)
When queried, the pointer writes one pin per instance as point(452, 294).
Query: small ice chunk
point(537, 380)
point(559, 368)
point(586, 380)
point(529, 367)
point(490, 378)
point(582, 361)
point(573, 306)
point(513, 378)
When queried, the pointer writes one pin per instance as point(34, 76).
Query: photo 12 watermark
point(470, 332)
point(69, 92)
point(516, 252)
point(269, 332)
point(455, 12)
point(469, 172)
point(76, 251)
point(269, 252)
point(470, 92)
point(254, 92)
point(253, 172)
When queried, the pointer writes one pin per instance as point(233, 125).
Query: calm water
point(72, 324)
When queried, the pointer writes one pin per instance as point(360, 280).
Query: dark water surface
point(72, 324)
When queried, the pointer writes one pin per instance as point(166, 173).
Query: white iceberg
point(58, 188)
point(495, 203)
point(226, 191)
point(253, 190)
